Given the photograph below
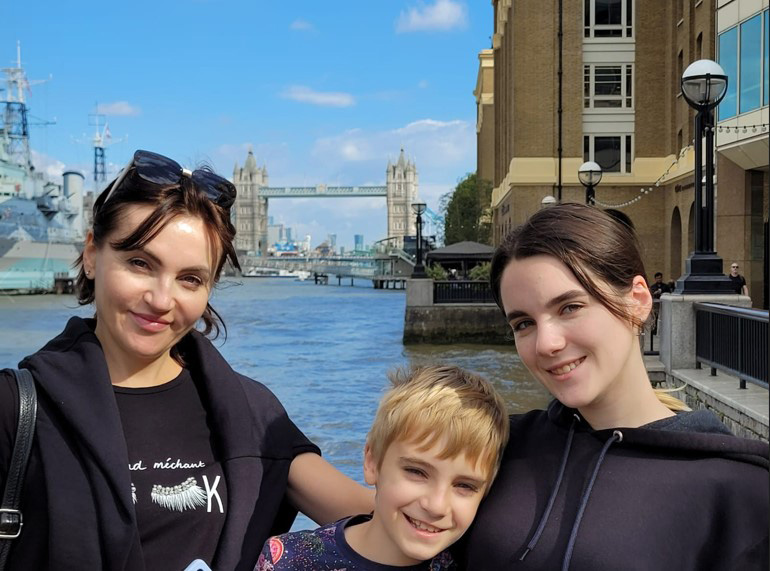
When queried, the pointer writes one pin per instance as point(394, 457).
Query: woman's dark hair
point(168, 202)
point(595, 246)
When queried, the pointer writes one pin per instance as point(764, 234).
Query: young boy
point(432, 453)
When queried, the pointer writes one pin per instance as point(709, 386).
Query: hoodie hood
point(77, 400)
point(696, 432)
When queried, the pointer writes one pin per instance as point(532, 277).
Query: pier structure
point(250, 211)
point(387, 269)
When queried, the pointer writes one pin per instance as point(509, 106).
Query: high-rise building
point(274, 234)
point(600, 81)
point(358, 240)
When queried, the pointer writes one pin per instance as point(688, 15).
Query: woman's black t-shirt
point(177, 484)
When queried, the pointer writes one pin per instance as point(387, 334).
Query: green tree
point(466, 211)
point(436, 272)
point(480, 272)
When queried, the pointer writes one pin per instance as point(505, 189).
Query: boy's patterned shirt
point(326, 549)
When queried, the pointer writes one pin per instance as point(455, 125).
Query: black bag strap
point(10, 516)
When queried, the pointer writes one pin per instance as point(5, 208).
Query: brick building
point(600, 80)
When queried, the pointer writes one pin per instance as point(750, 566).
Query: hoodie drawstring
point(617, 436)
point(554, 492)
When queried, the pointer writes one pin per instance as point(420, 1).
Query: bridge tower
point(250, 209)
point(401, 183)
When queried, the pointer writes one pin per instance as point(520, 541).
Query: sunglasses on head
point(163, 171)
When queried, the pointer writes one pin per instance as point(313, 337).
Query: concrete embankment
point(472, 323)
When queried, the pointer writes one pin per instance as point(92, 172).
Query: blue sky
point(323, 92)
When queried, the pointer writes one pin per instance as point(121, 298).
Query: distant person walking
point(739, 282)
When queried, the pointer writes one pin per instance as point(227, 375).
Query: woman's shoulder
point(259, 396)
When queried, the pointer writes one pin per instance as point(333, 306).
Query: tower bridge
point(321, 191)
point(250, 211)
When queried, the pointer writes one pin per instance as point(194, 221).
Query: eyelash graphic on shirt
point(185, 496)
point(133, 492)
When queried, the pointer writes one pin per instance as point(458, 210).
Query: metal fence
point(734, 340)
point(462, 291)
point(651, 340)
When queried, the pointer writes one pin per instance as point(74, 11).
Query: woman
point(614, 475)
point(150, 451)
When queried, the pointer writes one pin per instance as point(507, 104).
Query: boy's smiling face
point(423, 503)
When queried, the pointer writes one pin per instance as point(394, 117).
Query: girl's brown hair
point(590, 242)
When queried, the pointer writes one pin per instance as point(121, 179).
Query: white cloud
point(122, 108)
point(324, 98)
point(441, 15)
point(53, 168)
point(275, 156)
point(301, 26)
point(442, 145)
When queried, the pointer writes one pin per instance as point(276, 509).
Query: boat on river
point(257, 272)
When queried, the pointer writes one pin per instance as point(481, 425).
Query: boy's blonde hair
point(442, 404)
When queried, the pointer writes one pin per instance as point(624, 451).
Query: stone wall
point(426, 322)
point(740, 420)
point(455, 323)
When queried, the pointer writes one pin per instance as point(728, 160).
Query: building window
point(743, 54)
point(611, 152)
point(608, 86)
point(608, 18)
point(750, 65)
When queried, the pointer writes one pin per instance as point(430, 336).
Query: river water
point(323, 350)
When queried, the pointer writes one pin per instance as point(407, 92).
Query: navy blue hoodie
point(77, 504)
point(678, 494)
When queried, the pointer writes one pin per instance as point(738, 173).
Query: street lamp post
point(590, 174)
point(547, 201)
point(704, 84)
point(419, 270)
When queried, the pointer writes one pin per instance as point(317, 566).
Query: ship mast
point(99, 140)
point(15, 126)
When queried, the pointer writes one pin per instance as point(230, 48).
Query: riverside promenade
point(745, 412)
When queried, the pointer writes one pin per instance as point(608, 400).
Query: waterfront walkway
point(748, 408)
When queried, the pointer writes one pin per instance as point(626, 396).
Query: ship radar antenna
point(14, 122)
point(101, 139)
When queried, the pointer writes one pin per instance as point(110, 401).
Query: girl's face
point(581, 352)
point(148, 299)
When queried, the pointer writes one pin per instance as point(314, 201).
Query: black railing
point(462, 291)
point(734, 340)
point(649, 345)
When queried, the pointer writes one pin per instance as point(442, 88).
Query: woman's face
point(569, 341)
point(148, 299)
